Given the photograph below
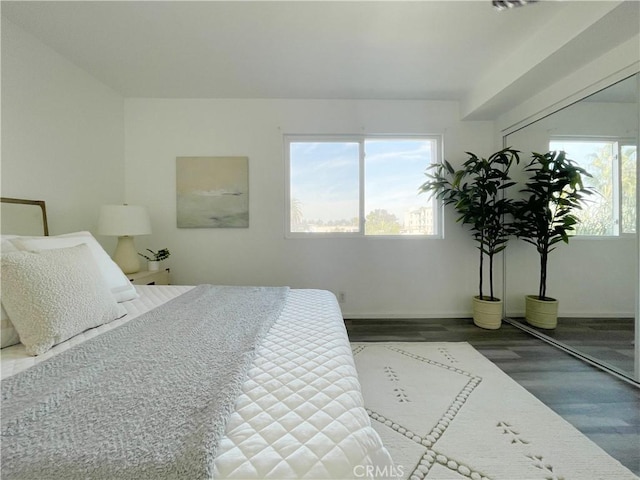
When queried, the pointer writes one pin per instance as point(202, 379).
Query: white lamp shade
point(124, 220)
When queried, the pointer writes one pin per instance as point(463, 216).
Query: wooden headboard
point(19, 217)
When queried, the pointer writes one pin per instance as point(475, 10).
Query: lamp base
point(126, 255)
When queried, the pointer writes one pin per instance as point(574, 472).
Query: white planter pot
point(153, 265)
point(541, 313)
point(486, 313)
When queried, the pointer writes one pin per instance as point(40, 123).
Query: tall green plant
point(476, 193)
point(545, 217)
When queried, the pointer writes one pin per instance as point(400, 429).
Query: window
point(611, 211)
point(354, 186)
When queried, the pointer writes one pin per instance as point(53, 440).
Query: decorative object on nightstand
point(125, 221)
point(153, 261)
point(147, 277)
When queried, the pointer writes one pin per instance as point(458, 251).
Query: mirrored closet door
point(594, 276)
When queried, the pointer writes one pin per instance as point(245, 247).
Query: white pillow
point(5, 243)
point(120, 286)
point(53, 295)
point(8, 334)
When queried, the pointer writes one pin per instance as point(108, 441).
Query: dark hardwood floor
point(609, 340)
point(603, 407)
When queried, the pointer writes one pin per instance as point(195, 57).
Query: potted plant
point(545, 217)
point(155, 258)
point(476, 192)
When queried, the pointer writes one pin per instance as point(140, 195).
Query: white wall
point(380, 277)
point(62, 133)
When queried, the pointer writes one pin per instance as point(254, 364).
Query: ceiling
point(433, 50)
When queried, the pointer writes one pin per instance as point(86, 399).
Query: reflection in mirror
point(594, 276)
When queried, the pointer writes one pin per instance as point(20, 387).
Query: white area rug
point(444, 411)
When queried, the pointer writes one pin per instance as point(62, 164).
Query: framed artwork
point(212, 192)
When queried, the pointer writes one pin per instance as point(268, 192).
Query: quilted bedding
point(300, 414)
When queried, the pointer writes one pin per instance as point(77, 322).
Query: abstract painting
point(212, 192)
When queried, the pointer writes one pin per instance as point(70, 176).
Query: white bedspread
point(300, 414)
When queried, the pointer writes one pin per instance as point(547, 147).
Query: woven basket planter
point(541, 313)
point(486, 313)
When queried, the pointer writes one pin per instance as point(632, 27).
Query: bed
point(101, 404)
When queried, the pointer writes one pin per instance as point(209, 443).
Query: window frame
point(360, 139)
point(624, 142)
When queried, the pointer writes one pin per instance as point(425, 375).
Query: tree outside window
point(612, 165)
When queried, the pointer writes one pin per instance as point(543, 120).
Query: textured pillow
point(53, 295)
point(120, 286)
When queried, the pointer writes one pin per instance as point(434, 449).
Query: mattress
point(300, 414)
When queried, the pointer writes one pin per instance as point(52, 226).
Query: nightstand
point(146, 277)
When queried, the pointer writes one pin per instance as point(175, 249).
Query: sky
point(325, 176)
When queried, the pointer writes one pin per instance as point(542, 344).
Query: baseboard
point(402, 316)
point(582, 314)
point(417, 316)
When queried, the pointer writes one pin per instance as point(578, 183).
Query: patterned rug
point(446, 412)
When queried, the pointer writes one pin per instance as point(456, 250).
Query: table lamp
point(125, 221)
